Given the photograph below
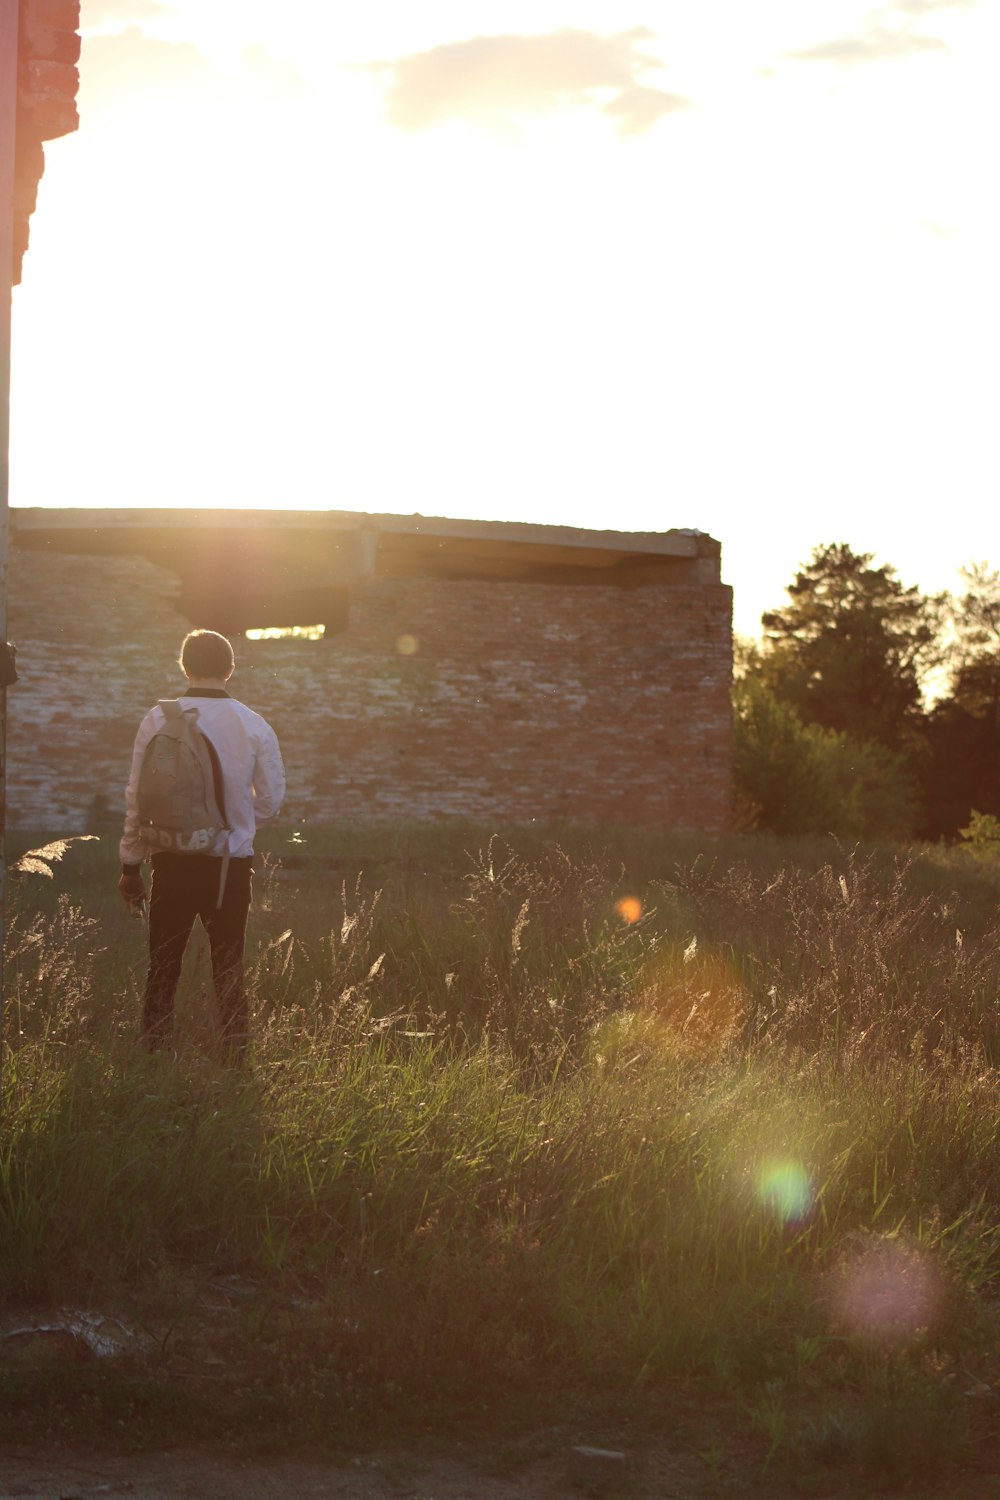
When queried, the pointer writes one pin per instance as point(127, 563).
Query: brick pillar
point(47, 80)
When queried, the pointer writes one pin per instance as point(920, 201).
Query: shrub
point(800, 779)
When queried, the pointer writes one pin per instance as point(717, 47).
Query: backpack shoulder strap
point(218, 780)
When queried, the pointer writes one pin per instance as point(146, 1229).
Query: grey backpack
point(180, 798)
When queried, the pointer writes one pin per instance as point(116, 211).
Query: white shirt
point(253, 777)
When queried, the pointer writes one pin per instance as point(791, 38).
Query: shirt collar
point(204, 693)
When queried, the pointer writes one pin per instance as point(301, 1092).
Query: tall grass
point(493, 1131)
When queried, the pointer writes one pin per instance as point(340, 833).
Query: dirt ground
point(553, 1474)
point(386, 1476)
point(684, 1453)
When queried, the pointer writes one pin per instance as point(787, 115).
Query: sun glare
point(525, 340)
point(287, 633)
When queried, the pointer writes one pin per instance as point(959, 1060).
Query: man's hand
point(132, 890)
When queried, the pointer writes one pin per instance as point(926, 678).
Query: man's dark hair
point(205, 653)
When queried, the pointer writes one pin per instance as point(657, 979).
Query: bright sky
point(698, 263)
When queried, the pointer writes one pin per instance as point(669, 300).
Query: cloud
point(875, 44)
point(172, 74)
point(924, 7)
point(98, 14)
point(887, 35)
point(499, 79)
point(638, 108)
point(278, 75)
point(130, 62)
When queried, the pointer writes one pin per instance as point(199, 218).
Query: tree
point(849, 650)
point(796, 778)
point(961, 770)
point(975, 652)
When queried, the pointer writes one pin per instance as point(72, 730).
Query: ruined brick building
point(48, 50)
point(490, 671)
point(483, 670)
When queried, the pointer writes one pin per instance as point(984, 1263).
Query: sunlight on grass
point(746, 1139)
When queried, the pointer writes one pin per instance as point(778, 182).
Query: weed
point(505, 1133)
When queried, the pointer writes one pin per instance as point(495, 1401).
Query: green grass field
point(541, 1123)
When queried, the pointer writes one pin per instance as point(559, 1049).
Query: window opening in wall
point(287, 633)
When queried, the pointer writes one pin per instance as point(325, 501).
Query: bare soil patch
point(389, 1475)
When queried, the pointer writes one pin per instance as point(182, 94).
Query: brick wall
point(521, 700)
point(48, 50)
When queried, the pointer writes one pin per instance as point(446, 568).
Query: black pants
point(186, 886)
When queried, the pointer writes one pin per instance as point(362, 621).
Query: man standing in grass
point(205, 760)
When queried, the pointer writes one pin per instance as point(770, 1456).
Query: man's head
point(206, 656)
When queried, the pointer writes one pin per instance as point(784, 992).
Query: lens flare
point(784, 1187)
point(887, 1292)
point(629, 908)
point(407, 645)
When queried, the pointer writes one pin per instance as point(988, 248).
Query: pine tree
point(850, 649)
